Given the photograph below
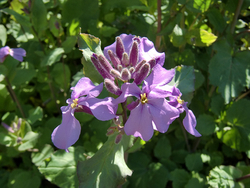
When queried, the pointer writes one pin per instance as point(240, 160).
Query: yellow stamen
point(179, 100)
point(144, 98)
point(74, 104)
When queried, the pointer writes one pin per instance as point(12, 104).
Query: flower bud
point(119, 47)
point(125, 59)
point(104, 62)
point(114, 59)
point(103, 72)
point(125, 74)
point(134, 54)
point(111, 87)
point(118, 138)
point(152, 63)
point(115, 73)
point(142, 74)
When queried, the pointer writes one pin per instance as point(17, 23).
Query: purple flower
point(189, 121)
point(151, 110)
point(17, 53)
point(132, 57)
point(82, 100)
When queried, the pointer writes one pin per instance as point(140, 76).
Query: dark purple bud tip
point(134, 54)
point(119, 47)
point(142, 74)
point(115, 73)
point(114, 59)
point(104, 62)
point(152, 63)
point(118, 138)
point(111, 87)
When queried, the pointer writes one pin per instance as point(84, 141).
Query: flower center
point(144, 98)
point(74, 104)
point(179, 100)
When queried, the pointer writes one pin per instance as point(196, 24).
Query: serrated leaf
point(106, 168)
point(38, 158)
point(202, 5)
point(23, 75)
point(52, 57)
point(35, 114)
point(177, 36)
point(90, 44)
point(229, 73)
point(162, 148)
point(180, 178)
point(61, 74)
point(61, 169)
point(216, 19)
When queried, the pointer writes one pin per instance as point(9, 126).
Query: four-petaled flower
point(17, 53)
point(82, 100)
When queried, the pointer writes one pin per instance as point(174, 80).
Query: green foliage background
point(208, 41)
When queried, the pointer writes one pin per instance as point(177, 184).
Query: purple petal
point(84, 87)
point(68, 132)
point(127, 42)
point(139, 123)
point(162, 113)
point(4, 51)
point(161, 92)
point(189, 122)
point(128, 89)
point(147, 51)
point(18, 53)
point(159, 77)
point(7, 127)
point(103, 109)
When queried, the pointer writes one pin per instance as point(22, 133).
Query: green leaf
point(29, 141)
point(202, 5)
point(108, 31)
point(216, 19)
point(3, 35)
point(180, 178)
point(205, 125)
point(200, 37)
point(61, 169)
point(69, 43)
point(35, 114)
point(227, 72)
point(107, 167)
point(39, 16)
point(61, 74)
point(23, 75)
point(52, 57)
point(224, 176)
point(199, 79)
point(184, 81)
point(85, 10)
point(237, 137)
point(194, 162)
point(89, 44)
point(23, 20)
point(177, 36)
point(38, 158)
point(24, 179)
point(217, 104)
point(162, 148)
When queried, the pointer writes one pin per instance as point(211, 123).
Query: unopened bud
point(7, 127)
point(103, 72)
point(117, 121)
point(125, 74)
point(104, 62)
point(139, 65)
point(119, 47)
point(114, 59)
point(134, 54)
point(142, 74)
point(111, 87)
point(115, 73)
point(152, 63)
point(131, 70)
point(125, 60)
point(118, 138)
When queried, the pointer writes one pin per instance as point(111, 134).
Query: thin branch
point(236, 14)
point(158, 37)
point(243, 95)
point(242, 178)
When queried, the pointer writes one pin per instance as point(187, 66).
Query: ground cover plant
point(124, 93)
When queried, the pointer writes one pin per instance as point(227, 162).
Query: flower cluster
point(133, 61)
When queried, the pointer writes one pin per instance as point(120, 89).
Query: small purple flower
point(17, 53)
point(132, 57)
point(189, 122)
point(151, 110)
point(82, 100)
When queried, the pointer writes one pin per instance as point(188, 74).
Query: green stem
point(236, 14)
point(14, 97)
